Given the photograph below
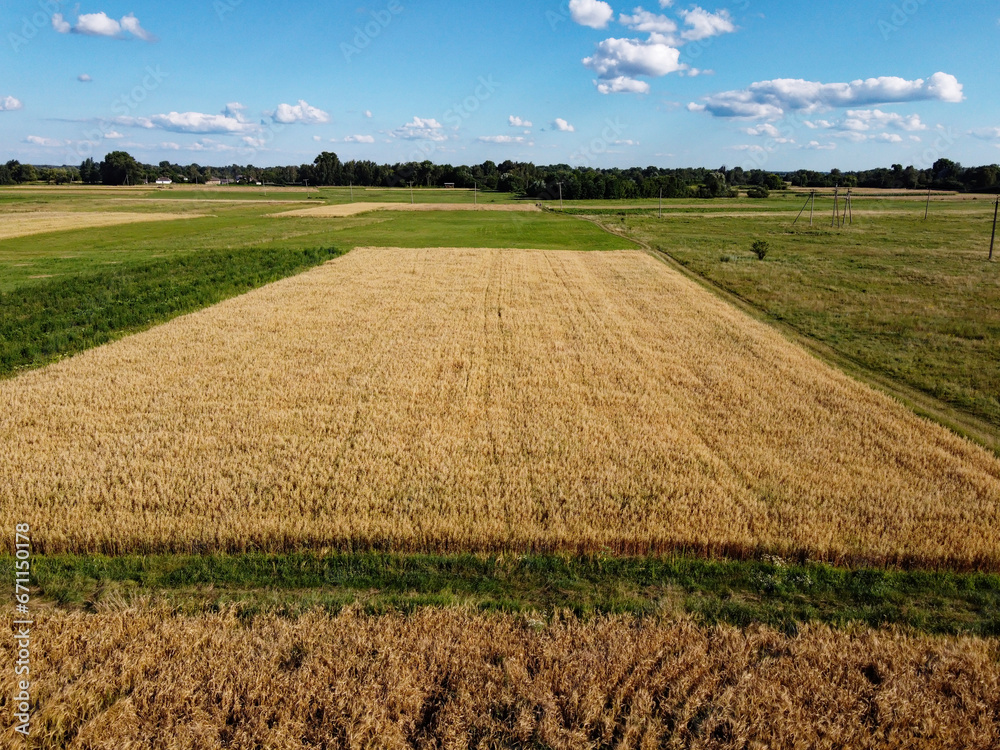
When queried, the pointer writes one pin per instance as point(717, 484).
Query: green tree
point(119, 168)
point(326, 169)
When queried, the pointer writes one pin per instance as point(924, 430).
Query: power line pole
point(352, 192)
point(411, 192)
point(661, 202)
point(996, 208)
point(560, 195)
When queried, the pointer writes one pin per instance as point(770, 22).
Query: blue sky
point(757, 83)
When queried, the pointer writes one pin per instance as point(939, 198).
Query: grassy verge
point(739, 593)
point(40, 323)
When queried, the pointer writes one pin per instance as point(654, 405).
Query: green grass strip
point(42, 322)
point(740, 593)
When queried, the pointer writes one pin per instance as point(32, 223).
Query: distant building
point(449, 184)
point(213, 181)
point(164, 181)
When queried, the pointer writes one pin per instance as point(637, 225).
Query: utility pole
point(661, 202)
point(996, 208)
point(836, 208)
point(812, 206)
point(411, 192)
point(560, 196)
point(352, 192)
point(475, 192)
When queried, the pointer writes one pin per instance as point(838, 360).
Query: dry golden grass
point(23, 224)
point(352, 209)
point(141, 678)
point(451, 399)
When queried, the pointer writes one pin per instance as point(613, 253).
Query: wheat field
point(141, 678)
point(23, 224)
point(463, 399)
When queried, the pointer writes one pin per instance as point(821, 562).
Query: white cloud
point(866, 119)
point(627, 142)
point(421, 129)
point(622, 85)
point(817, 146)
point(517, 122)
point(772, 99)
point(703, 24)
point(9, 104)
point(60, 24)
point(131, 24)
point(197, 122)
point(317, 138)
point(765, 129)
point(235, 110)
point(563, 126)
point(645, 21)
point(502, 139)
point(987, 134)
point(619, 59)
point(888, 138)
point(359, 139)
point(302, 112)
point(368, 113)
point(593, 13)
point(100, 24)
point(114, 135)
point(84, 78)
point(46, 142)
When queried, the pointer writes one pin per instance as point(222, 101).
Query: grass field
point(459, 400)
point(914, 302)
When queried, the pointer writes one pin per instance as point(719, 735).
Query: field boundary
point(923, 404)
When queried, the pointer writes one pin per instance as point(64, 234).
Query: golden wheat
point(141, 678)
point(450, 399)
point(22, 224)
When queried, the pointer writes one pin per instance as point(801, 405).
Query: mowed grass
point(65, 291)
point(445, 400)
point(912, 301)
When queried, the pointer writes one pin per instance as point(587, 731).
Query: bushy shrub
point(760, 248)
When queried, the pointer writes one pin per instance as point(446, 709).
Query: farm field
point(505, 490)
point(913, 303)
point(450, 676)
point(483, 400)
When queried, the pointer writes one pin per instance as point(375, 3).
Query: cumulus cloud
point(113, 135)
point(868, 119)
point(9, 104)
point(645, 21)
point(593, 13)
point(302, 112)
point(702, 24)
point(60, 24)
point(563, 126)
point(772, 99)
point(230, 121)
point(420, 129)
point(502, 139)
point(618, 63)
point(517, 122)
point(817, 146)
point(84, 78)
point(622, 85)
point(100, 24)
point(368, 113)
point(359, 139)
point(235, 110)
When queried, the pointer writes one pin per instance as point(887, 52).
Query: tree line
point(521, 178)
